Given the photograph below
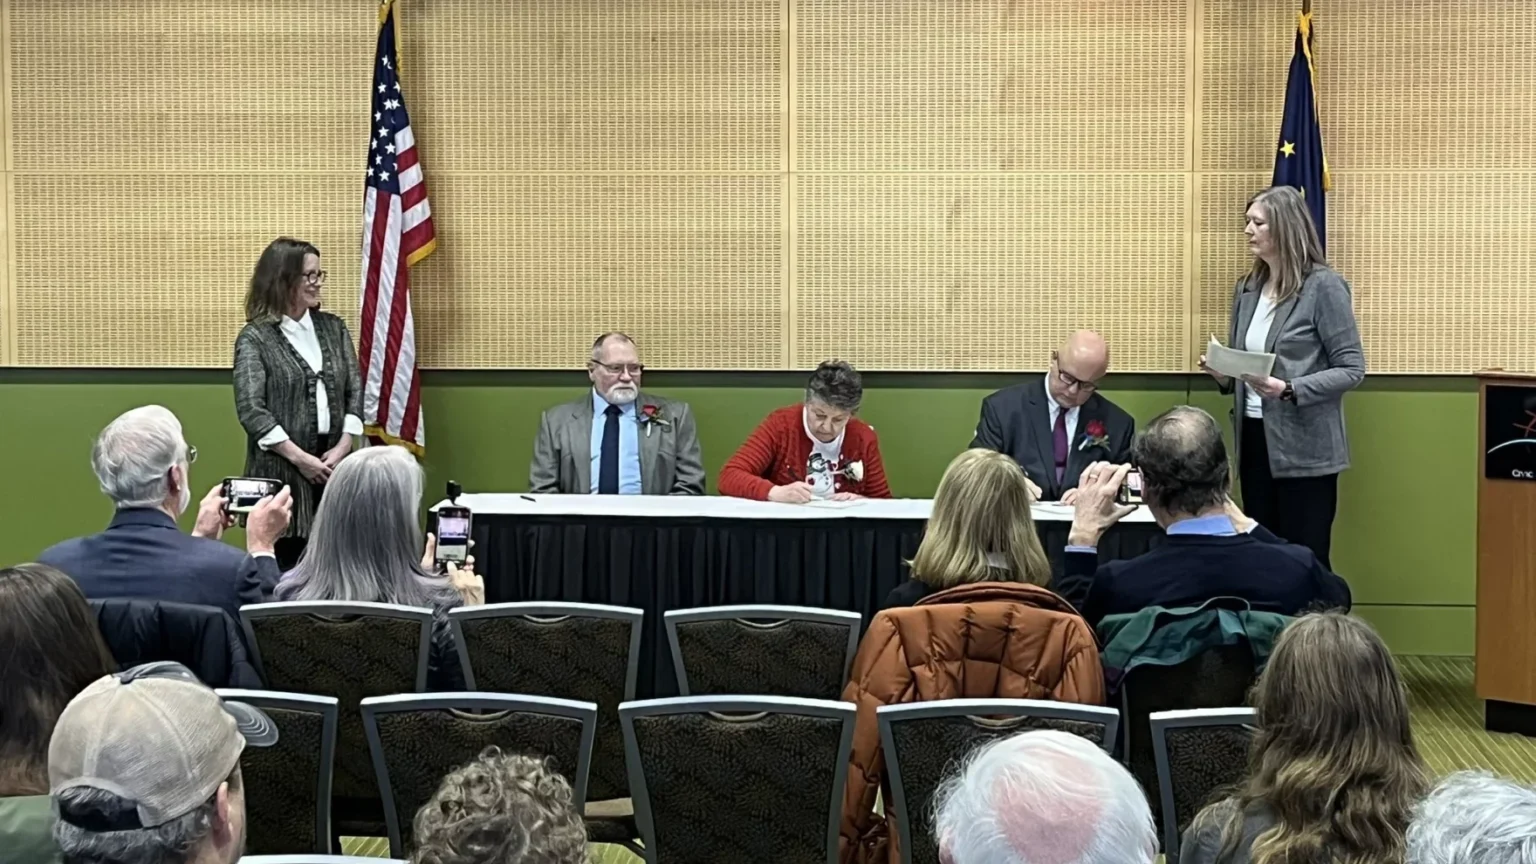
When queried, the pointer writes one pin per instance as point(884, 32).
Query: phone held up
point(242, 494)
point(1130, 489)
point(453, 529)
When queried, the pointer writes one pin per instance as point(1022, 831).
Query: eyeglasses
point(1070, 381)
point(621, 368)
point(191, 454)
point(314, 277)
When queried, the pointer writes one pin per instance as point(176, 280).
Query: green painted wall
point(1405, 538)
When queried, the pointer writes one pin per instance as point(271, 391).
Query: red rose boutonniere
point(1094, 436)
point(650, 417)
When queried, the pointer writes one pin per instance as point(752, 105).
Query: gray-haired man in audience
point(144, 768)
point(1473, 817)
point(1044, 797)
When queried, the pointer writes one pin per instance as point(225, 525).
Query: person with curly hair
point(1333, 774)
point(502, 808)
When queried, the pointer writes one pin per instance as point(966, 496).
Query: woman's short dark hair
point(272, 282)
point(1183, 461)
point(837, 384)
point(52, 649)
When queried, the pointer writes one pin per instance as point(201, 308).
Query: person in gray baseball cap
point(144, 768)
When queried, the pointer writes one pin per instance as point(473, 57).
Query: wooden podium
point(1506, 551)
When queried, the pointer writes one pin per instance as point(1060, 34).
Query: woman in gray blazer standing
point(1289, 425)
point(298, 390)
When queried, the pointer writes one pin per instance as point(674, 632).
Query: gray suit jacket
point(1316, 344)
point(669, 456)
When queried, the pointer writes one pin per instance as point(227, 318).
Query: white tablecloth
point(717, 507)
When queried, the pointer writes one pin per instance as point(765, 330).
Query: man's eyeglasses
point(191, 454)
point(314, 277)
point(621, 368)
point(1070, 381)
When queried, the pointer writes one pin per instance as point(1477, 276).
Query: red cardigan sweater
point(776, 452)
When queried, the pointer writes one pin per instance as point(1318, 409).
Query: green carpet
point(1447, 723)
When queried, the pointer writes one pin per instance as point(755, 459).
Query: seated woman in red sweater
point(813, 450)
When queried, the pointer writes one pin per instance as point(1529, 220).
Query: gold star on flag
point(1288, 148)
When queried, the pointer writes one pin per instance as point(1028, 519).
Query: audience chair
point(733, 778)
point(351, 651)
point(316, 859)
point(925, 742)
point(1218, 678)
point(204, 639)
point(578, 651)
point(288, 785)
point(1198, 753)
point(762, 650)
point(416, 739)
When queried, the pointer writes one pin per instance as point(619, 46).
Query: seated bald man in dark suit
point(1055, 426)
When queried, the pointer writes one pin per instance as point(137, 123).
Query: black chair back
point(577, 651)
point(1198, 753)
point(762, 650)
point(416, 739)
point(924, 743)
point(351, 651)
point(1218, 678)
point(288, 785)
point(722, 778)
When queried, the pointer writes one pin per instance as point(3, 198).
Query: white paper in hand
point(1227, 361)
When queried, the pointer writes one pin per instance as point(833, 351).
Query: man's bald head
point(1077, 366)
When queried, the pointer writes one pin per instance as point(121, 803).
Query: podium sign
point(1509, 433)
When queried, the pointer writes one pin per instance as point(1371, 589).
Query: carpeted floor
point(1448, 725)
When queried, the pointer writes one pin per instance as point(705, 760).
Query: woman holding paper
point(1289, 424)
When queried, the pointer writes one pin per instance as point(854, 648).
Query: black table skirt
point(657, 565)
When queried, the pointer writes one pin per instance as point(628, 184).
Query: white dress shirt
point(302, 336)
point(1253, 340)
point(1056, 410)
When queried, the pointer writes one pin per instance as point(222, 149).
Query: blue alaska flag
point(1299, 159)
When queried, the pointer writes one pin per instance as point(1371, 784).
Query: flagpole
point(1306, 7)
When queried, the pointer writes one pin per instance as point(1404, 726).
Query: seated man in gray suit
point(616, 440)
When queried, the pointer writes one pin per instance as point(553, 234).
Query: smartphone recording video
point(453, 524)
point(243, 493)
point(1130, 490)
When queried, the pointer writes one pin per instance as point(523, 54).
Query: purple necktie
point(1059, 443)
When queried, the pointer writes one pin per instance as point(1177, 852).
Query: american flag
point(397, 233)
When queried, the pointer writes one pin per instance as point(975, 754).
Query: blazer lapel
point(580, 443)
point(1037, 413)
point(1247, 302)
point(650, 446)
point(1077, 457)
point(1282, 312)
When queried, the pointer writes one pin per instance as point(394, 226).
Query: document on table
point(1229, 361)
point(1055, 509)
point(834, 505)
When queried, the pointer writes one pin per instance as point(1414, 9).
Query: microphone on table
point(454, 491)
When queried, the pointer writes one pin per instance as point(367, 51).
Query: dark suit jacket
point(1187, 570)
point(1017, 421)
point(144, 556)
point(202, 638)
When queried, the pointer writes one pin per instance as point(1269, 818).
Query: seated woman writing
point(817, 449)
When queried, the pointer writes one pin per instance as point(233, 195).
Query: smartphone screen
point(1130, 490)
point(453, 534)
point(243, 493)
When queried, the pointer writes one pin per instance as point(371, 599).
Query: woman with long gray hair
point(366, 547)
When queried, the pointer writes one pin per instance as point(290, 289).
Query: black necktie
point(608, 461)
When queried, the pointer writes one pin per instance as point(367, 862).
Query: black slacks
point(1297, 509)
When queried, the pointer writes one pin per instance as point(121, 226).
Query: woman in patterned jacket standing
point(298, 391)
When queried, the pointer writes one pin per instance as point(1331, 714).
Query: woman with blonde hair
point(1289, 425)
point(1333, 774)
point(980, 530)
point(975, 621)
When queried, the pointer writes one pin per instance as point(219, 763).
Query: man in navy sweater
point(1212, 549)
point(142, 461)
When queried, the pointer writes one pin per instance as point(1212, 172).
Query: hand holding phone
point(1130, 490)
point(242, 494)
point(453, 530)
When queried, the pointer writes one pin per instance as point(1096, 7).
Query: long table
point(659, 553)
